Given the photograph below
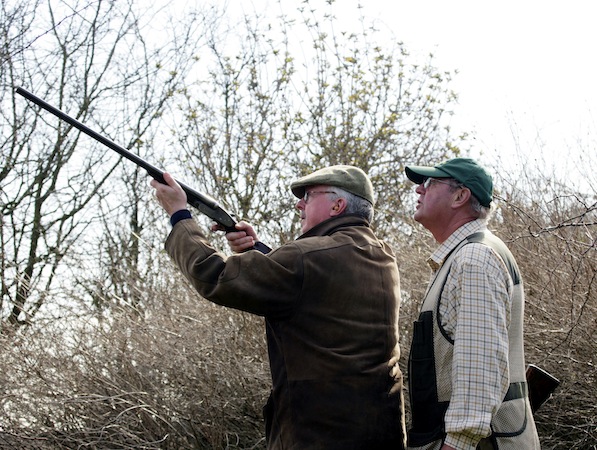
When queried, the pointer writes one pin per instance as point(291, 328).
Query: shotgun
point(204, 203)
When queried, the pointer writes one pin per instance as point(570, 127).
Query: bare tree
point(550, 224)
point(237, 110)
point(98, 63)
point(75, 222)
point(263, 117)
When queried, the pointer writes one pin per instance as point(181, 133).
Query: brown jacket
point(330, 300)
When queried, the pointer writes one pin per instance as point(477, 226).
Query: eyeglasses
point(430, 181)
point(309, 194)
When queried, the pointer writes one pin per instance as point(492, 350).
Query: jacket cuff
point(180, 215)
point(260, 246)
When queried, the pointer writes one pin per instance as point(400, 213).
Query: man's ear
point(462, 196)
point(339, 207)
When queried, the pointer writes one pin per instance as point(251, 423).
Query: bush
point(188, 375)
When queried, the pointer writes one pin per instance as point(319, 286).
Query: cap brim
point(418, 174)
point(299, 191)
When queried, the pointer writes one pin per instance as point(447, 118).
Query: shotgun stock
point(204, 203)
point(541, 385)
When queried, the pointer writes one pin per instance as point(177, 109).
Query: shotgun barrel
point(204, 203)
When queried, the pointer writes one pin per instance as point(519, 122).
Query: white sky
point(527, 68)
point(526, 64)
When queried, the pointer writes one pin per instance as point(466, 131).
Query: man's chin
point(303, 226)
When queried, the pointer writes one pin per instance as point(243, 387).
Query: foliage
point(78, 57)
point(103, 345)
point(552, 231)
point(187, 375)
point(260, 119)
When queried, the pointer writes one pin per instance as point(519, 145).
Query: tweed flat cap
point(350, 178)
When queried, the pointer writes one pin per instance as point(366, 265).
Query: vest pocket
point(427, 412)
point(518, 411)
point(421, 363)
point(435, 445)
point(510, 419)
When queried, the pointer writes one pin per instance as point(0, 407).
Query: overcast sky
point(526, 68)
point(526, 64)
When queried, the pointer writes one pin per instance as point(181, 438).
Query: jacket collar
point(332, 225)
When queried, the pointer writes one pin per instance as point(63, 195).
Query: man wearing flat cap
point(330, 301)
point(466, 367)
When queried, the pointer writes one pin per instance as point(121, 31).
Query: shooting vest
point(430, 367)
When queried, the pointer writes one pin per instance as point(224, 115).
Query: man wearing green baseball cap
point(330, 300)
point(466, 376)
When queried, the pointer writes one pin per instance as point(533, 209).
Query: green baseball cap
point(464, 170)
point(349, 178)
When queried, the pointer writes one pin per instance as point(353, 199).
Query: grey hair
point(483, 212)
point(355, 204)
point(480, 211)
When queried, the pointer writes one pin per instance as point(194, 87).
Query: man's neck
point(442, 232)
